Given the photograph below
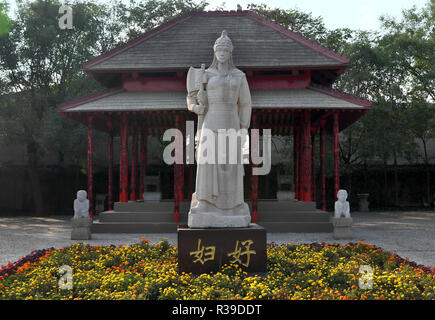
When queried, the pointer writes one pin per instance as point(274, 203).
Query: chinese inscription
point(241, 254)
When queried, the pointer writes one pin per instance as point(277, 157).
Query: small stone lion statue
point(342, 207)
point(81, 205)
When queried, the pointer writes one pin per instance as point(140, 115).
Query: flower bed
point(145, 271)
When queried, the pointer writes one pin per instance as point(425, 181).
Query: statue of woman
point(224, 103)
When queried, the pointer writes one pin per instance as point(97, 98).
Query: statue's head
point(342, 195)
point(81, 195)
point(223, 49)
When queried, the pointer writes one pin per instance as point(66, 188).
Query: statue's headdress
point(223, 41)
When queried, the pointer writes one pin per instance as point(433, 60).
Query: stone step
point(163, 216)
point(295, 216)
point(149, 206)
point(272, 216)
point(297, 227)
point(171, 227)
point(168, 206)
point(136, 227)
point(286, 205)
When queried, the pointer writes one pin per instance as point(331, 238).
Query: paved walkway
point(410, 234)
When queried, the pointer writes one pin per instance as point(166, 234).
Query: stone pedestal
point(342, 228)
point(285, 195)
point(206, 250)
point(81, 228)
point(363, 202)
point(152, 196)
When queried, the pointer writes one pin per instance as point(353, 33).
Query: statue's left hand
point(202, 97)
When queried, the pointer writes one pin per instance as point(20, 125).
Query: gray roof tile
point(176, 100)
point(190, 41)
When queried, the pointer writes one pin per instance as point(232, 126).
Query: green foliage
point(5, 22)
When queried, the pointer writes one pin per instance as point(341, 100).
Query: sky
point(353, 14)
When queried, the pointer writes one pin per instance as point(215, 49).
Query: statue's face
point(222, 54)
point(342, 196)
point(81, 195)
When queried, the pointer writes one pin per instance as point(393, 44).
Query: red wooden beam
point(306, 163)
point(191, 181)
point(143, 160)
point(110, 167)
point(133, 175)
point(335, 131)
point(254, 178)
point(260, 81)
point(154, 84)
point(177, 174)
point(123, 161)
point(296, 160)
point(90, 166)
point(322, 166)
point(313, 166)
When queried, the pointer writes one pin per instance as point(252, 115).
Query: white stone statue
point(222, 100)
point(81, 205)
point(342, 207)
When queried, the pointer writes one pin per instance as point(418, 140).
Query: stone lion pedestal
point(342, 228)
point(342, 221)
point(81, 228)
point(81, 222)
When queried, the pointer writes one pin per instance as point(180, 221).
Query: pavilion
point(290, 79)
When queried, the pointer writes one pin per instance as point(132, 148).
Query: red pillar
point(306, 163)
point(90, 166)
point(178, 173)
point(181, 191)
point(143, 160)
point(123, 161)
point(301, 159)
point(133, 175)
point(313, 165)
point(110, 167)
point(322, 166)
point(335, 130)
point(191, 181)
point(254, 178)
point(296, 160)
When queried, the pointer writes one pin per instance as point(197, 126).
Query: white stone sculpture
point(342, 221)
point(342, 207)
point(81, 222)
point(81, 205)
point(221, 98)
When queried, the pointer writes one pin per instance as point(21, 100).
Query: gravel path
point(410, 234)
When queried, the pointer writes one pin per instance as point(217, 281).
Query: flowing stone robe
point(218, 200)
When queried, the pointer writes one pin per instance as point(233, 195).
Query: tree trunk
point(32, 167)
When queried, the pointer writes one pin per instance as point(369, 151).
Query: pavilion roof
point(188, 40)
point(313, 97)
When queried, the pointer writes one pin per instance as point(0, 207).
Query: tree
point(420, 117)
point(42, 64)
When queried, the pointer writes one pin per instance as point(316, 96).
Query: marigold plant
point(146, 271)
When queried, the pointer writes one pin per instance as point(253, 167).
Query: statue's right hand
point(199, 109)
